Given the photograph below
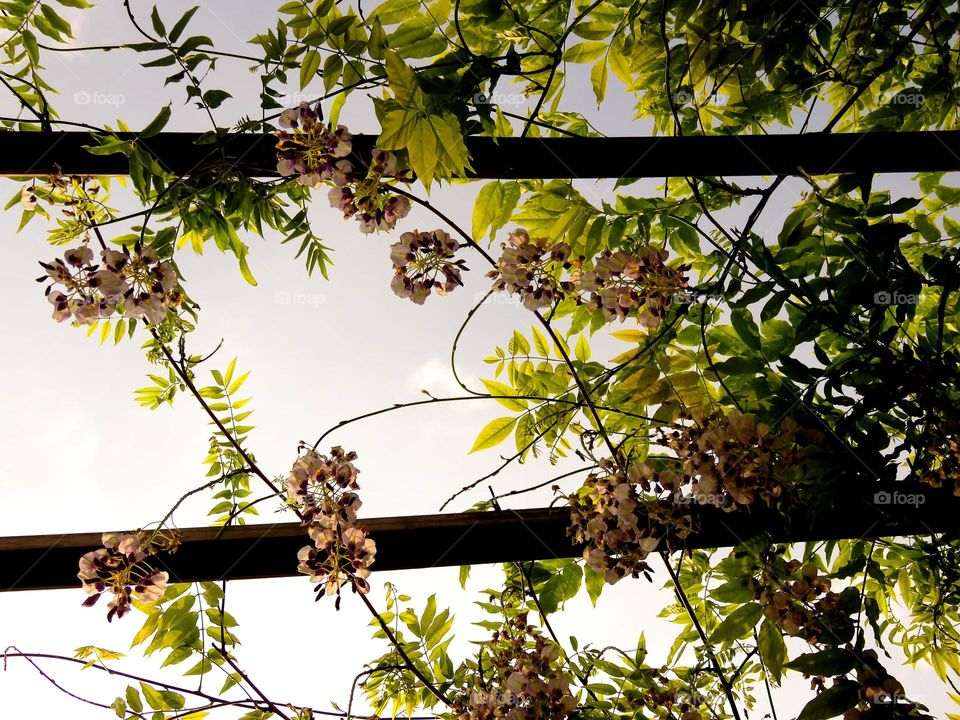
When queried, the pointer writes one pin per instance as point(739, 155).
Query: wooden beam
point(425, 541)
point(39, 153)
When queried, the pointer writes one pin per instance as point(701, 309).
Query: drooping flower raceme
point(310, 148)
point(529, 267)
point(418, 258)
point(121, 567)
point(526, 681)
point(368, 197)
point(322, 488)
point(136, 283)
point(606, 517)
point(641, 282)
point(723, 459)
point(317, 153)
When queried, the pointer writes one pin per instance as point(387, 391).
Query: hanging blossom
point(723, 460)
point(728, 459)
point(418, 258)
point(937, 455)
point(367, 197)
point(798, 598)
point(641, 282)
point(526, 681)
point(317, 153)
point(607, 517)
point(528, 267)
point(136, 284)
point(120, 566)
point(310, 148)
point(322, 488)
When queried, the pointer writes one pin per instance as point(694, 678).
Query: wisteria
point(317, 153)
point(418, 259)
point(624, 283)
point(121, 567)
point(528, 267)
point(322, 488)
point(525, 679)
point(137, 284)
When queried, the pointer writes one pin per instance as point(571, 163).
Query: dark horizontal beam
point(38, 153)
point(425, 541)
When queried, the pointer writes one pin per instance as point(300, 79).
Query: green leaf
point(737, 624)
point(178, 655)
point(133, 699)
point(585, 51)
point(215, 98)
point(157, 124)
point(831, 702)
point(495, 432)
point(773, 651)
point(157, 22)
point(309, 66)
point(486, 208)
point(181, 24)
point(403, 81)
point(499, 388)
point(153, 697)
point(598, 79)
point(245, 269)
point(830, 662)
point(746, 328)
point(582, 349)
point(594, 582)
point(422, 150)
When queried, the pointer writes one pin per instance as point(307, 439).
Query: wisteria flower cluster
point(606, 515)
point(310, 148)
point(623, 283)
point(137, 283)
point(418, 258)
point(526, 682)
point(798, 598)
point(728, 459)
point(121, 567)
point(938, 456)
point(322, 488)
point(528, 267)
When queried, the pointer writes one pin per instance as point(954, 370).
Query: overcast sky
point(80, 455)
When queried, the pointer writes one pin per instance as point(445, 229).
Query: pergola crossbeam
point(40, 153)
point(426, 541)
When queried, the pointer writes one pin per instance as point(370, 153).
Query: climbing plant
point(773, 370)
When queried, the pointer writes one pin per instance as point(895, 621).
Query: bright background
point(78, 454)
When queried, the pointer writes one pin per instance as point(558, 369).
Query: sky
point(80, 455)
